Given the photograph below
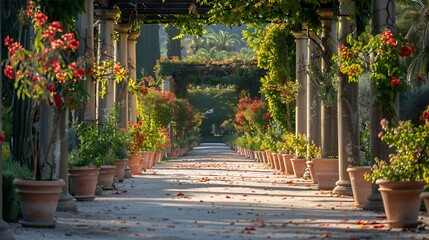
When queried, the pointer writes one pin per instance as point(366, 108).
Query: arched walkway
point(213, 193)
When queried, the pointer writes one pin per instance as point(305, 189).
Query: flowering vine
point(386, 71)
point(45, 72)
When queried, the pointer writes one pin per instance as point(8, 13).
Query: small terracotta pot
point(288, 163)
point(84, 182)
point(360, 187)
point(106, 173)
point(299, 165)
point(134, 164)
point(121, 164)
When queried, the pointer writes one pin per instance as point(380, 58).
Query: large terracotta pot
point(84, 182)
point(38, 200)
point(299, 165)
point(326, 170)
point(310, 166)
point(264, 157)
point(158, 157)
point(288, 163)
point(134, 164)
point(360, 187)
point(106, 173)
point(150, 160)
point(121, 164)
point(401, 201)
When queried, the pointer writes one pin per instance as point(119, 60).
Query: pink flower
point(384, 122)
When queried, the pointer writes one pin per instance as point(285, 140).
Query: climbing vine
point(274, 46)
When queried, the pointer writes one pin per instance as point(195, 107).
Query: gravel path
point(213, 193)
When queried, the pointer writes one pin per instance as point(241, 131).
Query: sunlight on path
point(214, 193)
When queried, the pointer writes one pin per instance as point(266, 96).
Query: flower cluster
point(108, 70)
point(410, 161)
point(46, 72)
point(138, 137)
point(386, 71)
point(252, 115)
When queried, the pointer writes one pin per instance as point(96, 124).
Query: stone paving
point(214, 193)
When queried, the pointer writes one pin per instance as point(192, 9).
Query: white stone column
point(313, 104)
point(106, 51)
point(301, 79)
point(348, 108)
point(122, 87)
point(132, 107)
point(166, 83)
point(329, 126)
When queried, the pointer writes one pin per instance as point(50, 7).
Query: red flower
point(420, 79)
point(1, 138)
point(74, 44)
point(40, 18)
point(8, 72)
point(395, 82)
point(8, 40)
point(57, 99)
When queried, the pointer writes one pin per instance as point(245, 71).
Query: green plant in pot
point(48, 74)
point(403, 174)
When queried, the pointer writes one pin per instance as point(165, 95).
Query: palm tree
point(246, 54)
point(223, 40)
point(193, 43)
point(413, 16)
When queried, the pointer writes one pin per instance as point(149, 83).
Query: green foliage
point(87, 150)
point(65, 11)
point(299, 145)
point(410, 161)
point(12, 170)
point(273, 48)
point(221, 99)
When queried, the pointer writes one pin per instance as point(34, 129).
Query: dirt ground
point(214, 193)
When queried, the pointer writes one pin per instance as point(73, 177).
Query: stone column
point(348, 108)
point(313, 104)
point(301, 78)
point(85, 26)
point(382, 17)
point(122, 87)
point(166, 83)
point(329, 136)
point(132, 107)
point(106, 51)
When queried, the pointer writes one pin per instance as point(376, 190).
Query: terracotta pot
point(175, 152)
point(38, 200)
point(282, 165)
point(360, 187)
point(121, 164)
point(158, 157)
point(401, 201)
point(310, 166)
point(425, 197)
point(299, 165)
point(145, 162)
point(269, 159)
point(106, 173)
point(264, 157)
point(84, 182)
point(134, 163)
point(150, 160)
point(326, 170)
point(255, 155)
point(288, 163)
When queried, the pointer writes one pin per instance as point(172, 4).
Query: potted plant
point(299, 161)
point(47, 74)
point(82, 169)
point(401, 177)
point(120, 150)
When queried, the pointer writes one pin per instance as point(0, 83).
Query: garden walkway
point(213, 193)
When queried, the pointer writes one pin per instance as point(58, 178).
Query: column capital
point(300, 35)
point(325, 13)
point(132, 36)
point(106, 14)
point(123, 28)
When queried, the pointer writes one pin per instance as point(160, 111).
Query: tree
point(223, 40)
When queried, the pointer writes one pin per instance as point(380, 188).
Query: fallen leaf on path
point(180, 194)
point(227, 196)
point(319, 205)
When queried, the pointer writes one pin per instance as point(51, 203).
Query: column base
point(307, 175)
point(343, 187)
point(5, 233)
point(66, 203)
point(375, 202)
